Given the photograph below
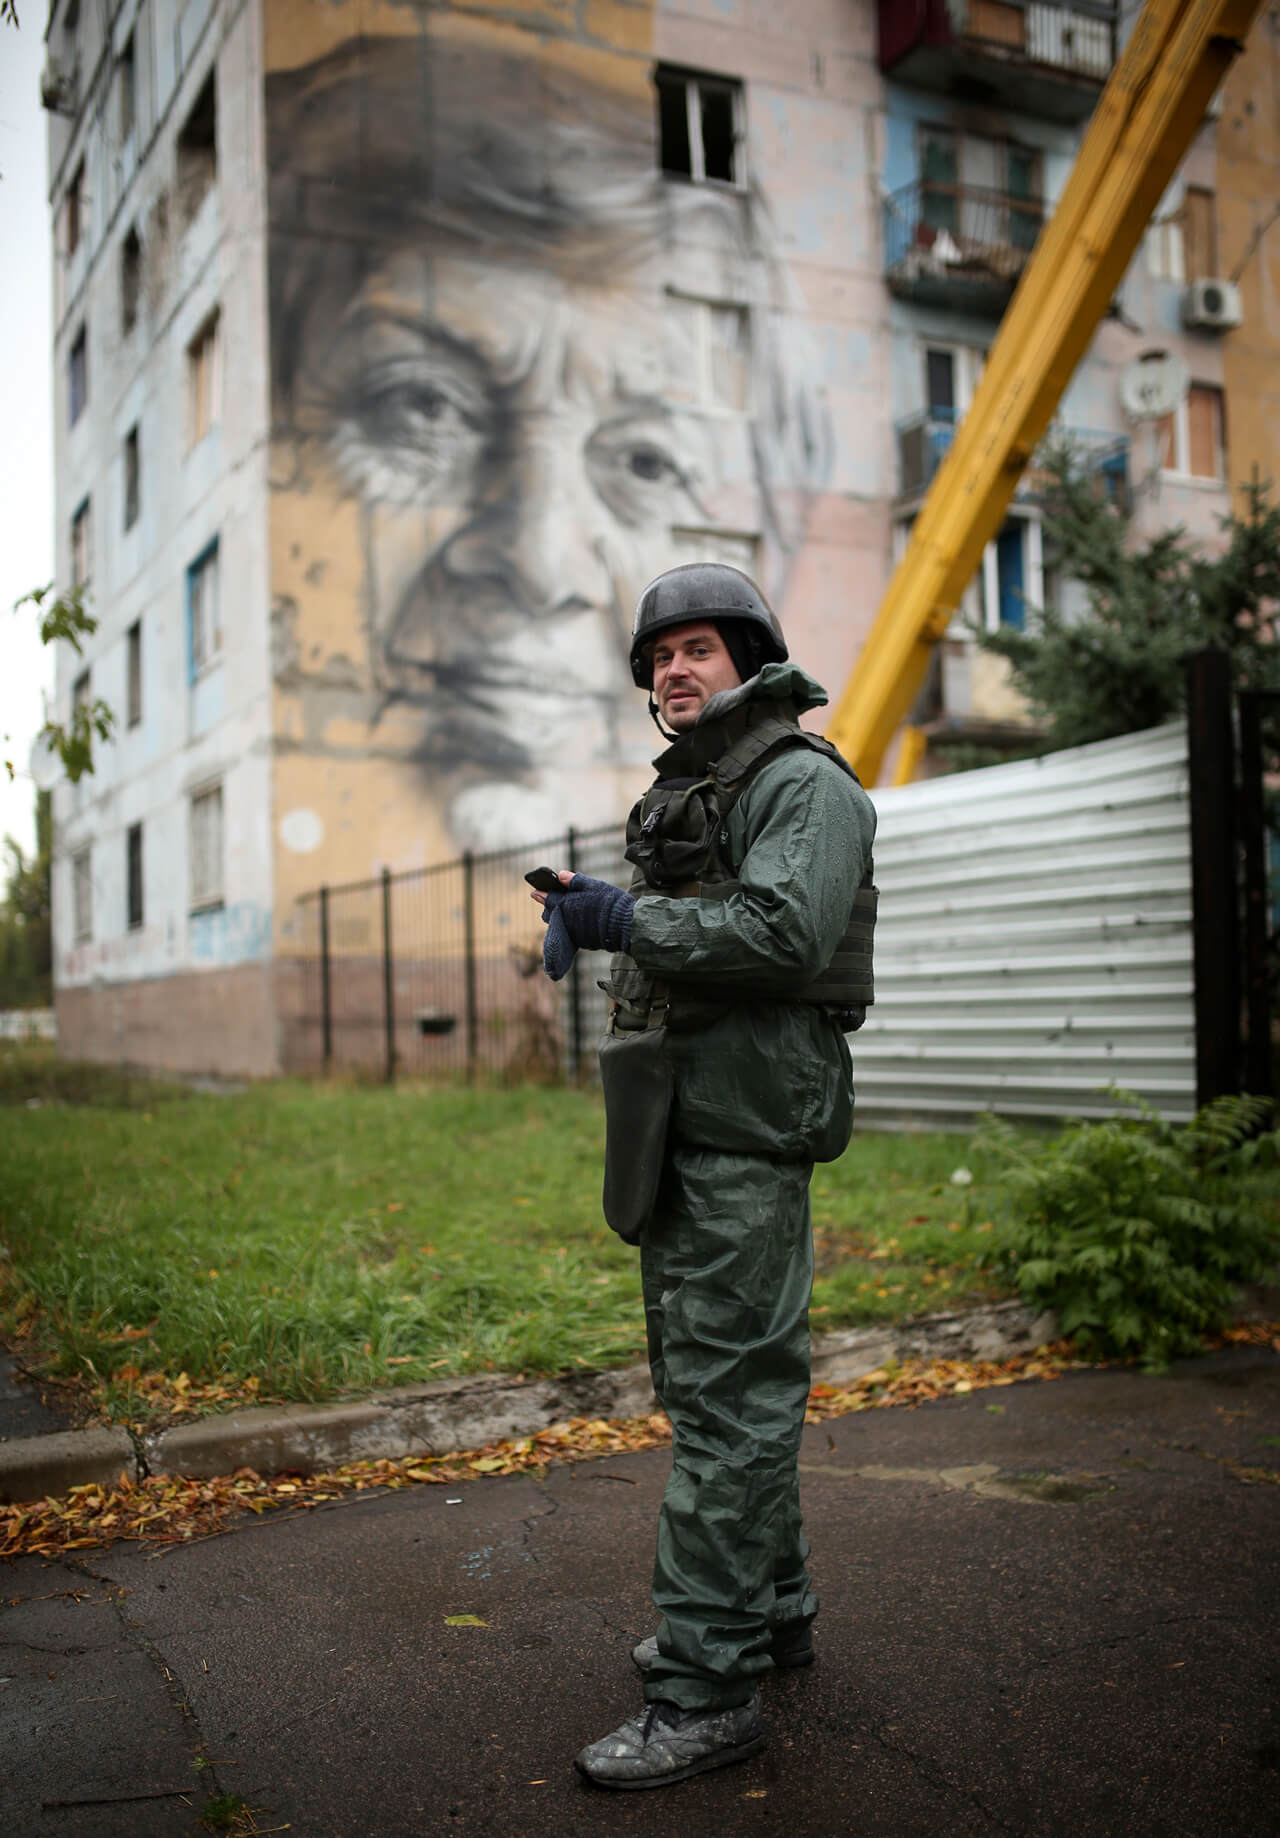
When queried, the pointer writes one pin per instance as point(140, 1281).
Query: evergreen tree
point(1122, 668)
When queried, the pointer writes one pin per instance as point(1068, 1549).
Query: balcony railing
point(924, 441)
point(1043, 59)
point(958, 245)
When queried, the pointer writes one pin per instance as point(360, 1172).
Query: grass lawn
point(309, 1240)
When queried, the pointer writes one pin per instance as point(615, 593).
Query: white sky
point(26, 389)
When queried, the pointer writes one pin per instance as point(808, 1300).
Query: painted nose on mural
point(541, 537)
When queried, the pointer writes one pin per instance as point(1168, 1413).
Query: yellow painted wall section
point(471, 461)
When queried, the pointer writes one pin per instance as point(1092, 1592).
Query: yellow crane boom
point(1145, 120)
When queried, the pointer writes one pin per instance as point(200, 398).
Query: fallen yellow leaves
point(170, 1509)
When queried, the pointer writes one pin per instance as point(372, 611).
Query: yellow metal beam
point(1145, 120)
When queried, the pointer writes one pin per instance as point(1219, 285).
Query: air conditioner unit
point(58, 87)
point(1214, 306)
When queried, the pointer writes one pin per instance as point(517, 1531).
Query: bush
point(1135, 1232)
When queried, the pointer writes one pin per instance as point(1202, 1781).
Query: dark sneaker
point(663, 1743)
point(793, 1649)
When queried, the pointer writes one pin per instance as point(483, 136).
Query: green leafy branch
point(65, 616)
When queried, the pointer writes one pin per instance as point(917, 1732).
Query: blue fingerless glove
point(588, 915)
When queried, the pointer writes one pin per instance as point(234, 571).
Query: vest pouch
point(636, 1079)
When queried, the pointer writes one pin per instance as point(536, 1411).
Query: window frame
point(132, 461)
point(209, 898)
point(127, 91)
point(705, 402)
point(133, 675)
point(130, 280)
point(1179, 425)
point(209, 557)
point(73, 205)
point(78, 365)
point(204, 379)
point(82, 894)
point(82, 542)
point(693, 82)
point(135, 908)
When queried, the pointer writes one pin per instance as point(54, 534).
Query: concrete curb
point(450, 1414)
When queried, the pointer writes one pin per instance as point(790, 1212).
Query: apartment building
point(396, 349)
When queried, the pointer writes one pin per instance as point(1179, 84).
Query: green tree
point(26, 936)
point(1121, 668)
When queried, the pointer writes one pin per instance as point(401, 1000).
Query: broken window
point(133, 875)
point(198, 150)
point(81, 545)
point(700, 126)
point(132, 478)
point(74, 209)
point(78, 375)
point(126, 92)
point(130, 281)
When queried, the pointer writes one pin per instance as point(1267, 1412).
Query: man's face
point(691, 663)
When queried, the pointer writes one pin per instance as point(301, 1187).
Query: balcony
point(1045, 60)
point(924, 441)
point(958, 246)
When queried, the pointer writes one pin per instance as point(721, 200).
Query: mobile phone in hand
point(545, 880)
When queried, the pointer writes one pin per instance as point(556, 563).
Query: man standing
point(743, 956)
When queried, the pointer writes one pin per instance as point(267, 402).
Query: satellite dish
point(1153, 385)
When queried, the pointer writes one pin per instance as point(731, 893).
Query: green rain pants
point(727, 1265)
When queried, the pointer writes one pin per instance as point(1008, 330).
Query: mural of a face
point(474, 340)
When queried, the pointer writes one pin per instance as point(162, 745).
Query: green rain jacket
point(771, 1076)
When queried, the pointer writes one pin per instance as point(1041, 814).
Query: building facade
point(397, 346)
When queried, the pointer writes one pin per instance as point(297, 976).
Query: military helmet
point(704, 590)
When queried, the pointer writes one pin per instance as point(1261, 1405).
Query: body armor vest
point(677, 840)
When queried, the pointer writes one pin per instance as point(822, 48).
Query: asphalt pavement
point(1048, 1608)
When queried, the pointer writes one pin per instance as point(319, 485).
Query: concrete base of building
point(200, 1024)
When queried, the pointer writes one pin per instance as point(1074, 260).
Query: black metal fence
point(438, 971)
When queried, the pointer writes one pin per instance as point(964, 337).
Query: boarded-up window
point(82, 895)
point(204, 381)
point(206, 847)
point(1204, 432)
point(1192, 439)
point(1199, 235)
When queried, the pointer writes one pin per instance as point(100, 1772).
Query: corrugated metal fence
point(1034, 948)
point(1035, 942)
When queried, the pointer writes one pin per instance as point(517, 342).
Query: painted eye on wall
point(402, 437)
point(648, 463)
point(637, 478)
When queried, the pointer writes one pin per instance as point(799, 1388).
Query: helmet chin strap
point(657, 720)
